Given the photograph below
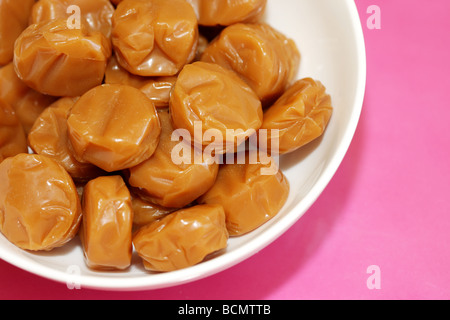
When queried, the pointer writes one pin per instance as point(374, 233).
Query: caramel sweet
point(154, 37)
point(170, 182)
point(107, 223)
point(145, 212)
point(49, 136)
point(225, 13)
point(14, 16)
point(12, 136)
point(182, 239)
point(215, 100)
point(263, 57)
point(39, 204)
point(55, 60)
point(250, 193)
point(114, 127)
point(26, 102)
point(299, 116)
point(94, 15)
point(157, 89)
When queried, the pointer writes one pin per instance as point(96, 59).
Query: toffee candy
point(49, 136)
point(55, 60)
point(14, 16)
point(107, 223)
point(263, 57)
point(300, 116)
point(154, 37)
point(215, 98)
point(114, 127)
point(12, 136)
point(182, 239)
point(26, 102)
point(39, 204)
point(249, 195)
point(167, 183)
point(145, 212)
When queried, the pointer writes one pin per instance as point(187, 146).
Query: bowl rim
point(254, 245)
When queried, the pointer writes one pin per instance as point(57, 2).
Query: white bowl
point(329, 36)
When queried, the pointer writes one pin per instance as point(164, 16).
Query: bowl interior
point(329, 36)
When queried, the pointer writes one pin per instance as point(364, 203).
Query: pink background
point(388, 205)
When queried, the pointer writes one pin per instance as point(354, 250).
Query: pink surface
point(388, 205)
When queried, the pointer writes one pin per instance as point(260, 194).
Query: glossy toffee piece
point(56, 60)
point(114, 127)
point(39, 204)
point(154, 37)
point(263, 57)
point(107, 223)
point(219, 103)
point(182, 239)
point(299, 116)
